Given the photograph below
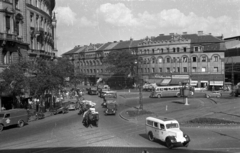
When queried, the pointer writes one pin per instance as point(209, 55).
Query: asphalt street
point(65, 133)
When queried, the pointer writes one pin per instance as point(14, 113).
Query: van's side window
point(7, 115)
point(155, 124)
point(150, 122)
point(162, 126)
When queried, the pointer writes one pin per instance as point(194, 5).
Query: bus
point(169, 91)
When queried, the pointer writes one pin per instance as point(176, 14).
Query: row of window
point(41, 4)
point(160, 60)
point(36, 44)
point(153, 70)
point(184, 59)
point(176, 70)
point(7, 57)
point(10, 27)
point(161, 50)
point(40, 22)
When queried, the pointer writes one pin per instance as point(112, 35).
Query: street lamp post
point(139, 86)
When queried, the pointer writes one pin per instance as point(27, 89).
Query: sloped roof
point(110, 46)
point(135, 43)
point(193, 37)
point(81, 49)
point(122, 44)
point(72, 51)
point(104, 46)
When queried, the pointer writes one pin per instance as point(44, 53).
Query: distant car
point(72, 106)
point(213, 94)
point(149, 86)
point(60, 108)
point(93, 91)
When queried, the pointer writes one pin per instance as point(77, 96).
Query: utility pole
point(140, 86)
point(232, 76)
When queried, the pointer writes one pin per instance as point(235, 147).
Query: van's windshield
point(1, 115)
point(172, 125)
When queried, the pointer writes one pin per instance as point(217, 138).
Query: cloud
point(84, 22)
point(172, 20)
point(66, 15)
point(117, 14)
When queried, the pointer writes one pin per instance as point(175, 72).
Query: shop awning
point(165, 82)
point(216, 83)
point(177, 81)
point(193, 83)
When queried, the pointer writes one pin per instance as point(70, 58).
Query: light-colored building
point(27, 30)
point(232, 59)
point(165, 59)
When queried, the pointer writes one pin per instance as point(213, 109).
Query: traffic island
point(137, 112)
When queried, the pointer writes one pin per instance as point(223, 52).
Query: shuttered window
point(8, 24)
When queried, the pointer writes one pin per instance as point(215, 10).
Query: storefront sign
point(193, 83)
point(216, 83)
point(180, 76)
point(162, 76)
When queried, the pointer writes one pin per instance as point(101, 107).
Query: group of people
point(90, 116)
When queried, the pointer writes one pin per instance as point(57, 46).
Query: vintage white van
point(12, 117)
point(166, 130)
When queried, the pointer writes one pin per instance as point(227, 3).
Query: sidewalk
point(219, 108)
point(48, 113)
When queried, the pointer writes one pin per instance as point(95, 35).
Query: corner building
point(172, 59)
point(27, 30)
point(165, 59)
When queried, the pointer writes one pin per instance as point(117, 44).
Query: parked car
point(213, 94)
point(149, 86)
point(60, 108)
point(93, 91)
point(72, 106)
point(13, 117)
point(166, 130)
point(104, 91)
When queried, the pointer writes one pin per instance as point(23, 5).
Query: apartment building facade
point(27, 30)
point(165, 59)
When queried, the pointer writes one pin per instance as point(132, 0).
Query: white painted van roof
point(160, 118)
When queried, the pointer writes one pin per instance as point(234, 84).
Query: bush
point(211, 121)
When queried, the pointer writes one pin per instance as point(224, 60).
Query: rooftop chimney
point(210, 33)
point(184, 33)
point(131, 38)
point(161, 35)
point(115, 41)
point(200, 33)
point(121, 41)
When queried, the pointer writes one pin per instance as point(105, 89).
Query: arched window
point(160, 60)
point(153, 60)
point(185, 59)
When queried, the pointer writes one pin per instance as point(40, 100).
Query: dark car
point(213, 94)
point(60, 108)
point(92, 91)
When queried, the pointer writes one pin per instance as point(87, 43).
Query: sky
point(81, 22)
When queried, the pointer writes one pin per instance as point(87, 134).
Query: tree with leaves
point(121, 65)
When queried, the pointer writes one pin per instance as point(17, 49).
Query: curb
point(124, 118)
point(215, 126)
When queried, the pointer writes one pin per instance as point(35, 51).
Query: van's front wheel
point(20, 123)
point(150, 136)
point(1, 127)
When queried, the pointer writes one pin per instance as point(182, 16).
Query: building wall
point(15, 42)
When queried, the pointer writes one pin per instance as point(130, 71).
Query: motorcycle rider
point(86, 116)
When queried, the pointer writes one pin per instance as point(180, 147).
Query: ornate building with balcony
point(165, 59)
point(232, 60)
point(27, 30)
point(172, 59)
